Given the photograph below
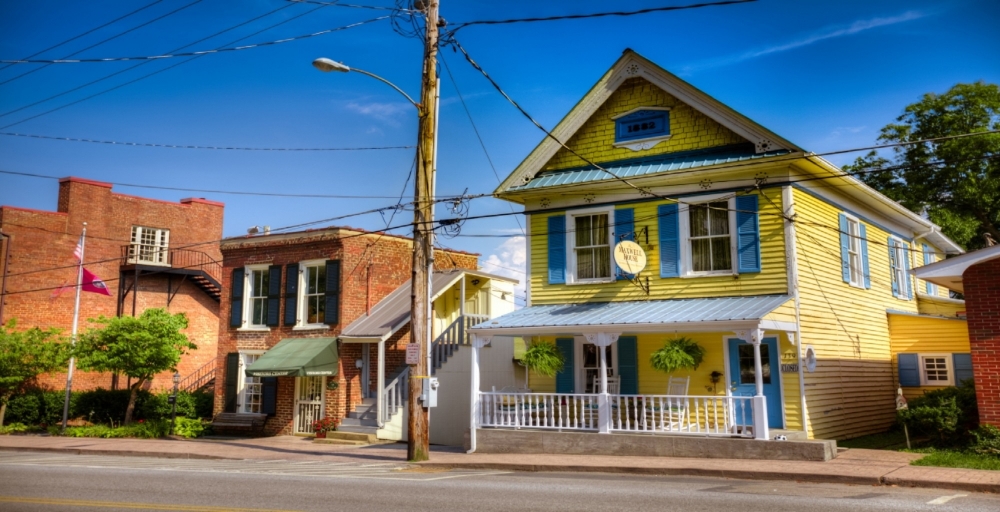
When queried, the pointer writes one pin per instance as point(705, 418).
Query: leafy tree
point(24, 355)
point(137, 347)
point(956, 181)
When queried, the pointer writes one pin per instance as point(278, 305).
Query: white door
point(309, 402)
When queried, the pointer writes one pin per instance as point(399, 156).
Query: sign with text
point(412, 353)
point(630, 257)
point(789, 368)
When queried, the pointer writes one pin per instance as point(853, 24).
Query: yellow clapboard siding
point(913, 334)
point(926, 305)
point(595, 140)
point(771, 281)
point(783, 313)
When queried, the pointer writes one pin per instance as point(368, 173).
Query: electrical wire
point(179, 146)
point(339, 4)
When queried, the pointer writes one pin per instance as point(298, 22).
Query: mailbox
point(429, 395)
point(172, 399)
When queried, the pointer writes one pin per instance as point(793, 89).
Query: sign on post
point(630, 257)
point(412, 353)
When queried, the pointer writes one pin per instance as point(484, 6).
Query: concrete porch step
point(359, 422)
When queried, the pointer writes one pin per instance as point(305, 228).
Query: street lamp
point(418, 445)
point(173, 401)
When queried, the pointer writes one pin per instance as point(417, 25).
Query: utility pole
point(418, 428)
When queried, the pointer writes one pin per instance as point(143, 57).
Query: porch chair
point(613, 385)
point(672, 414)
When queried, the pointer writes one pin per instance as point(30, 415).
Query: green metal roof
point(297, 357)
point(648, 166)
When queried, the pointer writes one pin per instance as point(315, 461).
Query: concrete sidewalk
point(855, 466)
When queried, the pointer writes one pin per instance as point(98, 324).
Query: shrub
point(189, 405)
point(677, 354)
point(105, 405)
point(985, 441)
point(37, 407)
point(947, 414)
point(191, 428)
point(141, 429)
point(14, 428)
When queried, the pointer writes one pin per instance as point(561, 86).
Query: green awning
point(297, 357)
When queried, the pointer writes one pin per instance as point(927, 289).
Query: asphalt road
point(48, 482)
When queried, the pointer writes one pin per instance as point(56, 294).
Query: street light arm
point(390, 84)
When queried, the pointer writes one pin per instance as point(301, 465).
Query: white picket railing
point(394, 395)
point(722, 416)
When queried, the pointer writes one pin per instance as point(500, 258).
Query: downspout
point(6, 269)
point(788, 200)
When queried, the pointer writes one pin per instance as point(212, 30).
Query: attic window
point(646, 124)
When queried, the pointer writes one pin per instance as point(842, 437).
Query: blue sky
point(826, 75)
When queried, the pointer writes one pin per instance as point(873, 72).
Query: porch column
point(759, 400)
point(380, 384)
point(602, 340)
point(478, 341)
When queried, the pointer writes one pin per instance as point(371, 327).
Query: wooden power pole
point(418, 428)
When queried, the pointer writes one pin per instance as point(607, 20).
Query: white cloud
point(508, 260)
point(388, 113)
point(830, 33)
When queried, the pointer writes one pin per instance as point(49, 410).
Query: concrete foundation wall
point(575, 443)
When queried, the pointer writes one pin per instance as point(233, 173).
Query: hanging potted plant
point(544, 359)
point(677, 354)
point(321, 427)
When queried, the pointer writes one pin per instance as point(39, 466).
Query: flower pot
point(320, 435)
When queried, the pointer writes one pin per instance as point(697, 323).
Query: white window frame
point(571, 244)
point(248, 298)
point(949, 367)
point(244, 382)
point(160, 246)
point(684, 218)
point(581, 372)
point(301, 314)
point(856, 267)
point(930, 288)
point(899, 275)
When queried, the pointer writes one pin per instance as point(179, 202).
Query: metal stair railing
point(198, 378)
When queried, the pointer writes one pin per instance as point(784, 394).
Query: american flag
point(78, 252)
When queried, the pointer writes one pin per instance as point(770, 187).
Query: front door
point(590, 365)
point(308, 402)
point(742, 372)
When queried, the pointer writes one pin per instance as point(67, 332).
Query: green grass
point(891, 440)
point(957, 459)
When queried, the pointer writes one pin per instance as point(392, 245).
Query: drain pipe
point(3, 279)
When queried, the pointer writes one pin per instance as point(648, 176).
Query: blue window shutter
point(892, 266)
point(908, 287)
point(928, 259)
point(747, 234)
point(624, 230)
point(557, 249)
point(963, 367)
point(331, 309)
point(236, 298)
point(291, 293)
point(628, 365)
point(670, 243)
point(909, 371)
point(864, 255)
point(269, 395)
point(273, 295)
point(566, 379)
point(845, 245)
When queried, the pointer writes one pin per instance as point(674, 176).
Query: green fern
point(544, 359)
point(677, 354)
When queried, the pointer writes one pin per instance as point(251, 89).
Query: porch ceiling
point(640, 316)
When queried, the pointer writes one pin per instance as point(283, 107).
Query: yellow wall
point(594, 140)
point(772, 280)
point(919, 334)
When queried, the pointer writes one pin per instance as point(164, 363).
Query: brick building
point(977, 276)
point(150, 253)
point(300, 290)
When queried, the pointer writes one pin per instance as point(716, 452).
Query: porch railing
point(452, 337)
point(395, 394)
point(721, 416)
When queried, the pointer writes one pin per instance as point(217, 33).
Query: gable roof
point(948, 273)
point(633, 65)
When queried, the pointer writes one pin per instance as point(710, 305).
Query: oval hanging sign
point(630, 257)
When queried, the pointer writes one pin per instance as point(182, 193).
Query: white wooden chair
point(671, 414)
point(614, 385)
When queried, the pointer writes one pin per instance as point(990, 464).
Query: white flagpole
point(76, 323)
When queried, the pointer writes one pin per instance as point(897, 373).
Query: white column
point(478, 342)
point(760, 428)
point(380, 384)
point(602, 340)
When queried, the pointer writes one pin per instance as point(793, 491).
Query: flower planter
point(320, 435)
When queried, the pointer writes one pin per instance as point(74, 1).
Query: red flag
point(93, 284)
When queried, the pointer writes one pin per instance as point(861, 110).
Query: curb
point(123, 453)
point(957, 486)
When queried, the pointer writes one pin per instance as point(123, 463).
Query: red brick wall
point(43, 241)
point(389, 260)
point(982, 306)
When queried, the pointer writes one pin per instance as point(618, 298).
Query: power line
point(199, 53)
point(338, 4)
point(137, 27)
point(596, 15)
point(78, 36)
point(179, 146)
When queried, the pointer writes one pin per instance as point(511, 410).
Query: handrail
point(452, 337)
point(395, 393)
point(199, 377)
point(177, 258)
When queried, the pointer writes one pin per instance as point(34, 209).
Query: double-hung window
point(898, 268)
point(257, 285)
point(710, 237)
point(935, 370)
point(854, 252)
point(149, 246)
point(312, 293)
point(590, 239)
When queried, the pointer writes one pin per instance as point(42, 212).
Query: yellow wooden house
point(791, 274)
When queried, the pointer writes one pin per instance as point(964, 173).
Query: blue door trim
point(772, 391)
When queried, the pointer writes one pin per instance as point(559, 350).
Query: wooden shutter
point(624, 230)
point(628, 365)
point(962, 364)
point(291, 293)
point(747, 234)
point(332, 306)
point(845, 247)
point(909, 370)
point(928, 259)
point(236, 298)
point(907, 286)
point(670, 243)
point(566, 379)
point(557, 249)
point(232, 379)
point(273, 316)
point(269, 395)
point(891, 242)
point(864, 255)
